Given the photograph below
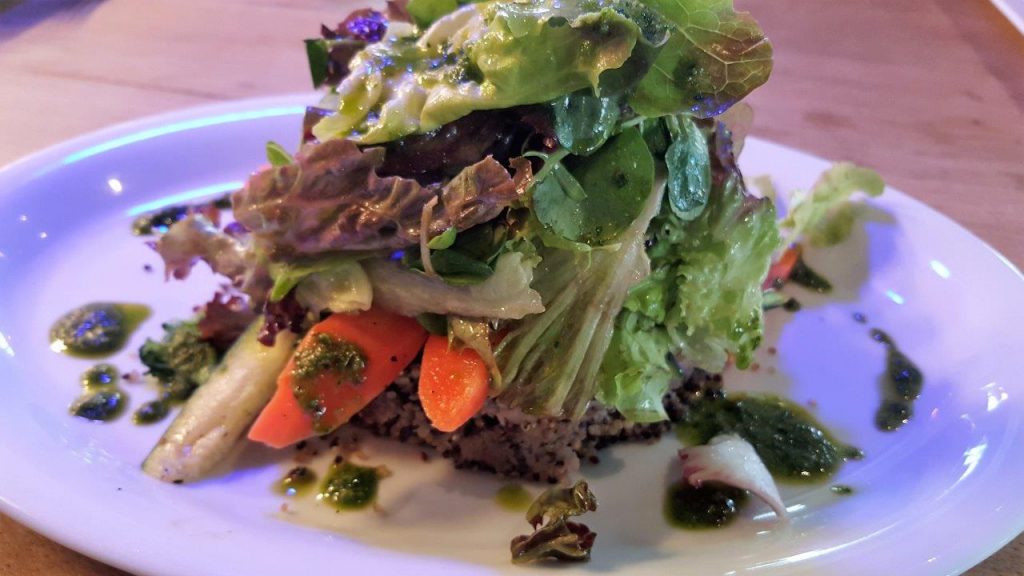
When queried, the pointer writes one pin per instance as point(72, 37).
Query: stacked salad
point(535, 201)
point(531, 179)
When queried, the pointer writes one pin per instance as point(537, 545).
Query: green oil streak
point(514, 498)
point(349, 486)
point(712, 505)
point(793, 445)
point(901, 386)
point(297, 482)
point(804, 276)
point(96, 330)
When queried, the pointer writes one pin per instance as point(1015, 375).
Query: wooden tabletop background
point(929, 92)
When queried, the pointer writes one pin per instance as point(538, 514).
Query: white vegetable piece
point(220, 411)
point(731, 460)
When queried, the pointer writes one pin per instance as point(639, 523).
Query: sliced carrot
point(783, 267)
point(388, 342)
point(453, 383)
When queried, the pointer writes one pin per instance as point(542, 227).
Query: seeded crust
point(510, 443)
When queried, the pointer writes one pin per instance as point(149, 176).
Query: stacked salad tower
point(535, 202)
point(514, 231)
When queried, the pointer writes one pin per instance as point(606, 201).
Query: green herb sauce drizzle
point(101, 400)
point(712, 505)
point(297, 481)
point(793, 445)
point(324, 355)
point(514, 497)
point(804, 276)
point(96, 330)
point(349, 486)
point(901, 385)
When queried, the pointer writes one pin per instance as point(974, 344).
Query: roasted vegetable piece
point(453, 383)
point(217, 414)
point(340, 366)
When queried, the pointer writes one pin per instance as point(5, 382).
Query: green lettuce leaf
point(506, 293)
point(465, 258)
point(335, 283)
point(482, 56)
point(443, 241)
point(702, 304)
point(714, 58)
point(343, 288)
point(582, 295)
point(592, 200)
point(426, 12)
point(277, 155)
point(824, 215)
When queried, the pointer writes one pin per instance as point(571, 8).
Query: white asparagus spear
point(220, 411)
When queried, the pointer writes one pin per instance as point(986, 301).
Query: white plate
point(1013, 10)
point(933, 498)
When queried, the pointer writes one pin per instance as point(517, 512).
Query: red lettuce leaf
point(332, 198)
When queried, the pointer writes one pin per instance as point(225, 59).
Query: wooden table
point(929, 92)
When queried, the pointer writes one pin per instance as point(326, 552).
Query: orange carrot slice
point(388, 343)
point(453, 383)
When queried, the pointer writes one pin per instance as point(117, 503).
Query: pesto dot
point(101, 406)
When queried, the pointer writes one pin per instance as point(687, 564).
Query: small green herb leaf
point(436, 324)
point(442, 241)
point(584, 122)
point(593, 199)
point(277, 155)
point(318, 53)
point(689, 170)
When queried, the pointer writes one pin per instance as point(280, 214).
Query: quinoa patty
point(510, 443)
